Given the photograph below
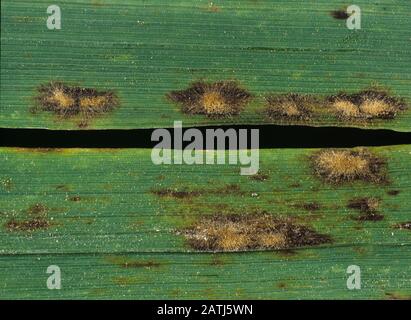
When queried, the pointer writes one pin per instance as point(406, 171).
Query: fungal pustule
point(290, 106)
point(215, 99)
point(257, 231)
point(366, 105)
point(340, 165)
point(73, 101)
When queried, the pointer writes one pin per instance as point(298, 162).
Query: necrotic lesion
point(257, 231)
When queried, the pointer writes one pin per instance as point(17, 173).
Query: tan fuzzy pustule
point(239, 232)
point(70, 101)
point(366, 105)
point(346, 109)
point(216, 99)
point(290, 106)
point(339, 165)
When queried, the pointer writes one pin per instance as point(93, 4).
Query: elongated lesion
point(256, 231)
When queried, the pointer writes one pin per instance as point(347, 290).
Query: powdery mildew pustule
point(215, 100)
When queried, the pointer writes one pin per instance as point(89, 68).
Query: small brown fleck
point(37, 209)
point(287, 252)
point(173, 193)
point(217, 261)
point(184, 193)
point(75, 198)
point(228, 189)
point(215, 100)
point(63, 187)
point(309, 206)
point(364, 205)
point(369, 217)
point(396, 296)
point(125, 262)
point(260, 176)
point(281, 285)
point(213, 8)
point(339, 14)
point(404, 225)
point(368, 208)
point(27, 225)
point(393, 192)
point(295, 185)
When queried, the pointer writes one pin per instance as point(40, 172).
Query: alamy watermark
point(354, 280)
point(54, 18)
point(54, 280)
point(354, 20)
point(208, 149)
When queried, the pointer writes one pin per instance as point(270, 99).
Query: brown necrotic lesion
point(213, 99)
point(257, 231)
point(73, 101)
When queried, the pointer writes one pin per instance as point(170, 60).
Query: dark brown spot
point(404, 225)
point(364, 205)
point(368, 208)
point(27, 225)
point(295, 185)
point(39, 150)
point(368, 217)
point(217, 261)
point(228, 189)
point(37, 209)
point(396, 296)
point(63, 187)
point(281, 285)
point(125, 262)
point(260, 231)
point(215, 100)
point(339, 14)
point(393, 192)
point(179, 194)
point(309, 206)
point(75, 198)
point(260, 176)
point(73, 101)
point(287, 253)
